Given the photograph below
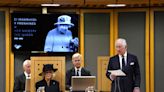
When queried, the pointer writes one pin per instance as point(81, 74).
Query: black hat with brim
point(48, 67)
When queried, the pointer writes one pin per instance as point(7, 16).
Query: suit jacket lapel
point(117, 62)
point(73, 72)
point(82, 72)
point(23, 77)
point(128, 59)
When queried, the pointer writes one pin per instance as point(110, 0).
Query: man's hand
point(112, 77)
point(136, 89)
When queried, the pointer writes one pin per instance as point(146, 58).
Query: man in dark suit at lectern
point(128, 63)
point(77, 70)
point(19, 82)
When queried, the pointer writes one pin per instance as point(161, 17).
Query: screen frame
point(58, 14)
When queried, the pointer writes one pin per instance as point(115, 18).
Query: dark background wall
point(96, 38)
point(159, 48)
point(2, 52)
point(132, 27)
point(19, 58)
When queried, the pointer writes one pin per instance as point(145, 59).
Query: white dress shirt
point(28, 76)
point(120, 59)
point(78, 71)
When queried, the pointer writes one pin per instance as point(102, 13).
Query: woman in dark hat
point(47, 84)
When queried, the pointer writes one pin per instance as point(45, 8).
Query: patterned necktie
point(123, 62)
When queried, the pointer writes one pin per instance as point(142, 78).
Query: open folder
point(117, 72)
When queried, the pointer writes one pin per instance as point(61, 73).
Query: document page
point(117, 72)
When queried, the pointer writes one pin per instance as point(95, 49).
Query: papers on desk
point(117, 72)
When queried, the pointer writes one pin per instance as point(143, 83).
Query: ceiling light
point(56, 5)
point(116, 5)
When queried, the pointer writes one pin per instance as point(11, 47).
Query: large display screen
point(45, 32)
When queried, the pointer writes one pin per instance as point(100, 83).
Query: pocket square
point(132, 63)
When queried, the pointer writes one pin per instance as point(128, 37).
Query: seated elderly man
point(19, 82)
point(76, 70)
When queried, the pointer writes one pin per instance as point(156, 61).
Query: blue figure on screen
point(60, 38)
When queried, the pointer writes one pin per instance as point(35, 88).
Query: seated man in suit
point(77, 70)
point(19, 82)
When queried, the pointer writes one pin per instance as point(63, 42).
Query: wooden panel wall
point(35, 1)
point(134, 1)
point(99, 2)
point(9, 1)
point(70, 2)
point(157, 2)
point(83, 3)
point(104, 84)
point(37, 66)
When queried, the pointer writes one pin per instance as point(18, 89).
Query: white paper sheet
point(117, 72)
